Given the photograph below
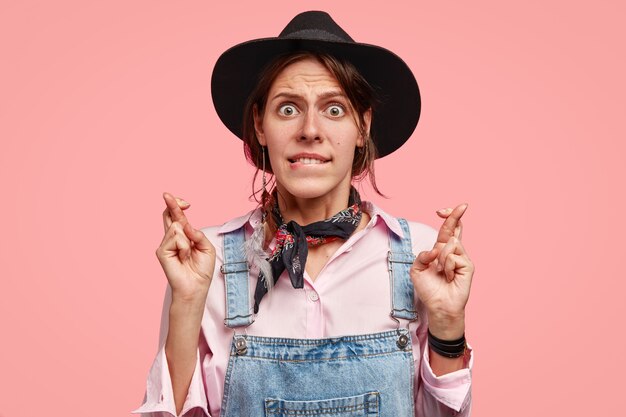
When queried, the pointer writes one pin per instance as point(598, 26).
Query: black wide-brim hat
point(237, 71)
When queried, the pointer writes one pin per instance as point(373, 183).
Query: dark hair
point(360, 95)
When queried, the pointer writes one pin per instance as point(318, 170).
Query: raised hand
point(442, 277)
point(186, 255)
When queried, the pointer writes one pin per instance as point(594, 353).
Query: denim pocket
point(364, 405)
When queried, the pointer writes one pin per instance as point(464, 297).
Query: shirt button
point(313, 296)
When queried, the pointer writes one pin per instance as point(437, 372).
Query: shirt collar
point(253, 217)
point(376, 213)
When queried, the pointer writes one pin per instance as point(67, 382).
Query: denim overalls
point(347, 376)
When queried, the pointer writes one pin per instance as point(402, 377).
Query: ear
point(367, 118)
point(258, 126)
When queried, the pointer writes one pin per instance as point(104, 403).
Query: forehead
point(304, 74)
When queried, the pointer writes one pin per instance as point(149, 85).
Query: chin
point(309, 188)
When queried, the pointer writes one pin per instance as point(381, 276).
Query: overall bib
point(347, 376)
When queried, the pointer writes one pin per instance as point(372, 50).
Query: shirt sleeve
point(449, 394)
point(159, 396)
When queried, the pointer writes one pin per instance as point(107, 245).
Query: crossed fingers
point(447, 250)
point(174, 211)
point(452, 226)
point(452, 256)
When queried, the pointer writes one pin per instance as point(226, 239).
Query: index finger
point(450, 224)
point(176, 212)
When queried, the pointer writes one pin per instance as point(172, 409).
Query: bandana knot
point(293, 241)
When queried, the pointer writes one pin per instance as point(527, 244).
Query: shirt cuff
point(159, 397)
point(451, 389)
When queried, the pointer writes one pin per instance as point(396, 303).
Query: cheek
point(344, 156)
point(278, 134)
point(273, 154)
point(346, 140)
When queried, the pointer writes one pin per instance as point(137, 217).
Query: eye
point(336, 110)
point(287, 110)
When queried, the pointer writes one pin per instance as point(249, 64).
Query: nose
point(310, 127)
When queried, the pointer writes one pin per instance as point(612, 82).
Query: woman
point(284, 311)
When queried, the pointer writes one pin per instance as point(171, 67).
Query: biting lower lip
point(308, 161)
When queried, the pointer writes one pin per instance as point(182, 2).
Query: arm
point(442, 279)
point(188, 260)
point(175, 382)
point(160, 399)
point(181, 346)
point(448, 395)
point(446, 329)
point(444, 385)
point(442, 365)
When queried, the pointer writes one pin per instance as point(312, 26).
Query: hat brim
point(237, 70)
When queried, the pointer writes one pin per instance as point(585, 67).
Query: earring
point(264, 174)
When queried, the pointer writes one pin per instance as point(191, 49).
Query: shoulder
point(423, 236)
point(248, 220)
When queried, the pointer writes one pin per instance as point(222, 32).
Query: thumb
point(425, 258)
point(198, 238)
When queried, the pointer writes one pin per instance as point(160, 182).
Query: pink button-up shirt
point(351, 295)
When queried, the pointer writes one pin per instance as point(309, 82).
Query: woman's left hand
point(442, 278)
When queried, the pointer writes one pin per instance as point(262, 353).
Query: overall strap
point(400, 259)
point(235, 271)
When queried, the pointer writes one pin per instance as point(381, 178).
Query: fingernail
point(444, 210)
point(183, 202)
point(439, 267)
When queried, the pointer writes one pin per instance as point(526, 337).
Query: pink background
point(105, 105)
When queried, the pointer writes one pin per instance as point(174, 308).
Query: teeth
point(308, 161)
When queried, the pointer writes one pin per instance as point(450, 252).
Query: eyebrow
point(323, 96)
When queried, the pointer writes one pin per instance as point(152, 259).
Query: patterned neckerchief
point(293, 240)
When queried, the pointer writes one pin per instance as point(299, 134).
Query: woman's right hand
point(186, 255)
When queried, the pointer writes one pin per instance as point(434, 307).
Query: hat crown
point(316, 25)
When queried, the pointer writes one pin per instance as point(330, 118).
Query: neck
point(309, 210)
